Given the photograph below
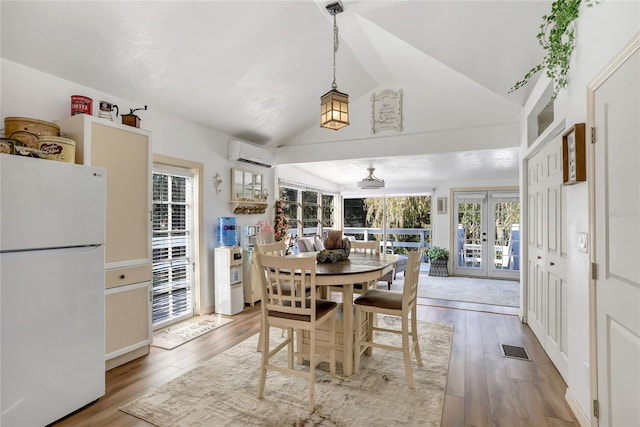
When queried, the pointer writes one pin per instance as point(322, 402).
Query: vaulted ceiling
point(256, 69)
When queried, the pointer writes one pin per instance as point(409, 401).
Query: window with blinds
point(172, 251)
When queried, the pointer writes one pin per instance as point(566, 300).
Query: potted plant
point(439, 259)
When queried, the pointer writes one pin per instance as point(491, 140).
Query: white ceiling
point(243, 67)
point(419, 174)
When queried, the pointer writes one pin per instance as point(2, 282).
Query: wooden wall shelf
point(247, 192)
point(247, 207)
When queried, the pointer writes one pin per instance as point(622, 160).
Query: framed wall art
point(386, 111)
point(574, 161)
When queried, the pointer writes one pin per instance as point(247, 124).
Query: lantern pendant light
point(334, 105)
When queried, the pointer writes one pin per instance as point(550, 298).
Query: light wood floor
point(483, 388)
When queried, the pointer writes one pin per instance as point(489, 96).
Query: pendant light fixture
point(371, 182)
point(334, 105)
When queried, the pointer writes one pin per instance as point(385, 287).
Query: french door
point(488, 234)
point(172, 245)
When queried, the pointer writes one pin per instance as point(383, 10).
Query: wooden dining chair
point(274, 249)
point(287, 306)
point(401, 304)
point(370, 247)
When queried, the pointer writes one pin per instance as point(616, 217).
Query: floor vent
point(515, 352)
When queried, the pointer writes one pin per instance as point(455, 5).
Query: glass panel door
point(487, 242)
point(471, 242)
point(172, 246)
point(505, 235)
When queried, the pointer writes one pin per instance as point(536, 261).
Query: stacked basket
point(36, 138)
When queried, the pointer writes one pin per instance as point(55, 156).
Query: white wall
point(603, 30)
point(297, 175)
point(30, 93)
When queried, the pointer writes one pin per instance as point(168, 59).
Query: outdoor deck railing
point(396, 237)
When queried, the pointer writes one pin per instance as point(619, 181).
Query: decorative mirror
point(247, 192)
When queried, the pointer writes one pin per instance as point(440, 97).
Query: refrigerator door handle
point(61, 248)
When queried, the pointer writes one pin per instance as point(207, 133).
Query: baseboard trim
point(582, 418)
point(127, 357)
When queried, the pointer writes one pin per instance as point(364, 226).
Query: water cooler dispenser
point(229, 294)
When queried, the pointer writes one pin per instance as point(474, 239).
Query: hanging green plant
point(557, 38)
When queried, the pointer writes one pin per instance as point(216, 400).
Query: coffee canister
point(56, 148)
point(227, 235)
point(81, 105)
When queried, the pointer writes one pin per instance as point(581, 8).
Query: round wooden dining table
point(357, 268)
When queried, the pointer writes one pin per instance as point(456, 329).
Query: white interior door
point(547, 285)
point(616, 109)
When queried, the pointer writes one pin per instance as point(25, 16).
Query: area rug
point(182, 332)
point(466, 289)
point(223, 391)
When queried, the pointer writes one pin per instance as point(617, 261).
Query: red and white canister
point(81, 105)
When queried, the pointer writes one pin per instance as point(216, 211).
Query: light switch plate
point(583, 242)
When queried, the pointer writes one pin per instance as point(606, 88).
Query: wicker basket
point(28, 131)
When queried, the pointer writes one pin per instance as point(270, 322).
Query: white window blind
point(172, 244)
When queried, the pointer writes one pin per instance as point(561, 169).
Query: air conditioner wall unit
point(241, 151)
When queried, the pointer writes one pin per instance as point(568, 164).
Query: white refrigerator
point(52, 228)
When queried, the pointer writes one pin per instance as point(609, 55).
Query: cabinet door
point(126, 156)
point(127, 318)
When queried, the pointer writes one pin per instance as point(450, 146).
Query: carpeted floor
point(467, 289)
point(223, 391)
point(182, 332)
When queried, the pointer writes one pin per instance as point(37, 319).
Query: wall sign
point(573, 155)
point(386, 111)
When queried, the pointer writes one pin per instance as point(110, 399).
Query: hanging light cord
point(335, 48)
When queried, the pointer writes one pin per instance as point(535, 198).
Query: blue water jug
point(227, 231)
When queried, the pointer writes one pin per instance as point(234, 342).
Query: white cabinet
point(251, 280)
point(125, 152)
point(228, 280)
